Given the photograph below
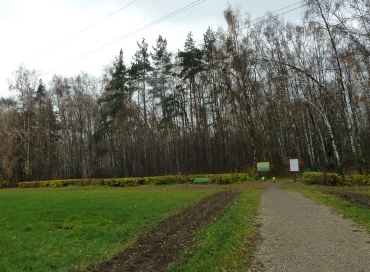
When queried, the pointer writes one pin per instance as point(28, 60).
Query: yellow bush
point(356, 179)
point(313, 177)
point(29, 184)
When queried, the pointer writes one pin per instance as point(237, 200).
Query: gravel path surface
point(298, 234)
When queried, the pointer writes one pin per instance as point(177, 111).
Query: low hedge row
point(123, 182)
point(333, 179)
point(129, 182)
point(225, 178)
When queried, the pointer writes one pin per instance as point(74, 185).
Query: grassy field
point(71, 228)
point(357, 213)
point(229, 244)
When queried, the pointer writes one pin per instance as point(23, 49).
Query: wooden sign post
point(263, 167)
point(294, 167)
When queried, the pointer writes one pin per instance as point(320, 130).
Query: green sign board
point(263, 166)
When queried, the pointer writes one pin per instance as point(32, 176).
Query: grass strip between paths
point(357, 213)
point(229, 244)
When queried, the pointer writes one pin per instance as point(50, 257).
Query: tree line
point(252, 92)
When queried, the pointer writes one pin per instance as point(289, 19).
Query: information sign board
point(294, 165)
point(263, 166)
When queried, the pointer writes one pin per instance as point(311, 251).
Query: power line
point(189, 6)
point(279, 10)
point(168, 16)
point(88, 5)
point(274, 16)
point(83, 30)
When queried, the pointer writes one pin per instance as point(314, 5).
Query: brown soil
point(353, 195)
point(357, 198)
point(166, 242)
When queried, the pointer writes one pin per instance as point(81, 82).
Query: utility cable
point(88, 5)
point(170, 15)
point(79, 32)
point(256, 19)
point(274, 16)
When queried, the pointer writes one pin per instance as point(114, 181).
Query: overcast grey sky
point(53, 36)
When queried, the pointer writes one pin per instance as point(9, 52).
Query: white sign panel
point(294, 166)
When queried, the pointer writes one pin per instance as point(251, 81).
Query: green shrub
point(221, 179)
point(112, 182)
point(332, 179)
point(159, 180)
point(240, 177)
point(215, 179)
point(313, 177)
point(29, 184)
point(59, 183)
point(4, 184)
point(118, 182)
point(97, 182)
point(252, 173)
point(170, 179)
point(79, 182)
point(356, 179)
point(45, 183)
point(141, 181)
point(179, 179)
point(130, 182)
point(244, 177)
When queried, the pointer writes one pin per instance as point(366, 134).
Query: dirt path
point(300, 235)
point(165, 243)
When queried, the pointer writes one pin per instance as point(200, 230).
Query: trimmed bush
point(179, 179)
point(45, 183)
point(4, 184)
point(221, 179)
point(356, 180)
point(29, 184)
point(240, 177)
point(160, 180)
point(252, 173)
point(129, 182)
point(332, 179)
point(313, 177)
point(97, 182)
point(170, 179)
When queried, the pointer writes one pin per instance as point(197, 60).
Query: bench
point(307, 170)
point(201, 180)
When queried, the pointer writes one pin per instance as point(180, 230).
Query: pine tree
point(116, 111)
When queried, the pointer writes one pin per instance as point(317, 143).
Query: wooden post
point(294, 167)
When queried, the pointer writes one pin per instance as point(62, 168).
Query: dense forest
point(265, 91)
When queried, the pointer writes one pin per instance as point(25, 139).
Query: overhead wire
point(274, 16)
point(87, 6)
point(277, 15)
point(81, 31)
point(292, 5)
point(166, 17)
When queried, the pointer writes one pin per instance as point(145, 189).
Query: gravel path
point(298, 234)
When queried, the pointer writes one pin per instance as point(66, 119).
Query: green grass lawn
point(228, 245)
point(72, 228)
